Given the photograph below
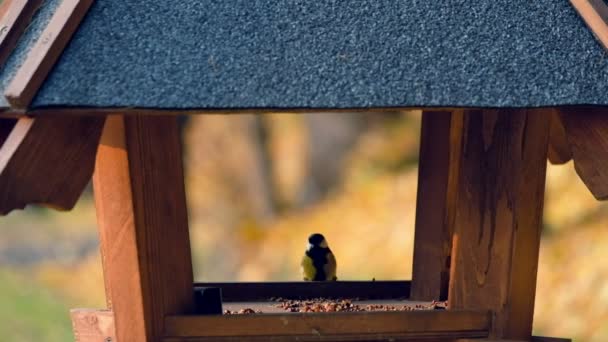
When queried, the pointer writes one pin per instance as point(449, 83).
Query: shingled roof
point(325, 54)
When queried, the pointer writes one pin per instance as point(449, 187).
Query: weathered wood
point(143, 224)
point(595, 15)
point(93, 325)
point(333, 326)
point(43, 55)
point(236, 292)
point(587, 131)
point(15, 18)
point(559, 148)
point(436, 184)
point(498, 217)
point(47, 161)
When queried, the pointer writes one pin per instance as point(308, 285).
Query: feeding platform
point(92, 89)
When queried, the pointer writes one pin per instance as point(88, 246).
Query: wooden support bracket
point(499, 217)
point(47, 161)
point(587, 132)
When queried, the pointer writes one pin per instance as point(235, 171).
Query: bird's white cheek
point(309, 246)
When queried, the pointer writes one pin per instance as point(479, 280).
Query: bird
point(318, 263)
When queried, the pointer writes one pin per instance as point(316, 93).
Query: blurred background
point(257, 186)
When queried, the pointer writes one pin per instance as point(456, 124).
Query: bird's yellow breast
point(308, 269)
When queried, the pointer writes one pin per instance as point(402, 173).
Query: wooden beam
point(47, 161)
point(595, 15)
point(4, 5)
point(533, 339)
point(13, 22)
point(331, 326)
point(143, 224)
point(238, 292)
point(93, 325)
point(559, 148)
point(43, 55)
point(498, 217)
point(437, 174)
point(587, 131)
point(129, 111)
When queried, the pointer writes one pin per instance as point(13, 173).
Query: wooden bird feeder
point(92, 89)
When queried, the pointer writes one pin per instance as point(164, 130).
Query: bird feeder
point(92, 89)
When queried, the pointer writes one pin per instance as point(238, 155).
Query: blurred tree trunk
point(331, 136)
point(260, 180)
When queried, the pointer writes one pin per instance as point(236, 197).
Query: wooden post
point(498, 217)
point(437, 174)
point(559, 148)
point(142, 217)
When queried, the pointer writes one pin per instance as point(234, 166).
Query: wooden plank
point(235, 292)
point(93, 325)
point(333, 326)
point(349, 338)
point(436, 184)
point(143, 224)
point(128, 111)
point(595, 15)
point(47, 161)
point(559, 148)
point(587, 131)
point(533, 339)
point(4, 5)
point(498, 217)
point(45, 52)
point(13, 22)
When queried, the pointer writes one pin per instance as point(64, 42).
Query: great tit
point(318, 263)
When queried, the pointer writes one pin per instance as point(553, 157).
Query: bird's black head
point(316, 239)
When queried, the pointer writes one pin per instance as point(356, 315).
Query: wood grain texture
point(334, 326)
point(559, 148)
point(595, 15)
point(45, 52)
point(236, 292)
point(143, 224)
point(13, 22)
point(93, 325)
point(436, 181)
point(587, 131)
point(498, 217)
point(47, 161)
